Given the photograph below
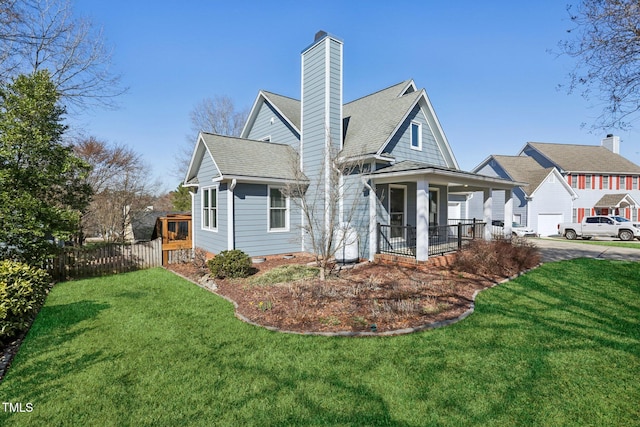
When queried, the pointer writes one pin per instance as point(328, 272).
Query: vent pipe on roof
point(611, 143)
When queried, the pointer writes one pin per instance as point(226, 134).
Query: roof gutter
point(257, 179)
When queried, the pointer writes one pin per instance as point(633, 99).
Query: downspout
point(231, 244)
point(373, 216)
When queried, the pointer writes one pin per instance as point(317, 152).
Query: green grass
point(285, 274)
point(558, 346)
point(615, 243)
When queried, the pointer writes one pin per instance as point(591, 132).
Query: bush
point(23, 290)
point(501, 257)
point(232, 264)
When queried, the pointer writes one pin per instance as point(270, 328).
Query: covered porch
point(409, 209)
point(615, 204)
point(402, 240)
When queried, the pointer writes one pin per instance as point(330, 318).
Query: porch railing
point(401, 240)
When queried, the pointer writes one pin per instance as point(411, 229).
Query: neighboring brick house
point(596, 180)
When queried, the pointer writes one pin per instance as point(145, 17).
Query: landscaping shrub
point(200, 259)
point(23, 290)
point(232, 264)
point(500, 257)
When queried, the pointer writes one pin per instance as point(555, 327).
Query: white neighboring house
point(566, 182)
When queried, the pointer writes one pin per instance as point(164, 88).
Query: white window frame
point(419, 146)
point(605, 182)
point(286, 212)
point(202, 209)
point(622, 179)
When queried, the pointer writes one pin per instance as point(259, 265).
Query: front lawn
point(558, 346)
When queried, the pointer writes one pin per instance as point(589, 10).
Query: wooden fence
point(108, 259)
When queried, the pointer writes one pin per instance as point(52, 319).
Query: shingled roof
point(368, 122)
point(524, 169)
point(585, 158)
point(615, 201)
point(288, 106)
point(371, 120)
point(237, 157)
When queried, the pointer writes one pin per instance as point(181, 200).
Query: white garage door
point(548, 224)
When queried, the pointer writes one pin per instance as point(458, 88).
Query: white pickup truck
point(600, 226)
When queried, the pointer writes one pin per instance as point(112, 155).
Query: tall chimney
point(321, 98)
point(321, 118)
point(612, 143)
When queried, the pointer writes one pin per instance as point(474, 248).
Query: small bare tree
point(121, 186)
point(329, 202)
point(215, 115)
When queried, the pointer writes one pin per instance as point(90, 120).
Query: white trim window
point(416, 135)
point(209, 219)
point(278, 211)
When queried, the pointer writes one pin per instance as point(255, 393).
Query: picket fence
point(74, 262)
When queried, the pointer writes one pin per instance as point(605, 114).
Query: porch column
point(508, 212)
point(231, 242)
point(486, 214)
point(422, 220)
point(373, 220)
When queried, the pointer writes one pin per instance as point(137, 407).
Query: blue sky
point(486, 66)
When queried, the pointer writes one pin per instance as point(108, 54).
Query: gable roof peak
point(409, 88)
point(287, 107)
point(395, 91)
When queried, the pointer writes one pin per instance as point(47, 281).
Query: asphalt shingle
point(524, 169)
point(586, 158)
point(248, 158)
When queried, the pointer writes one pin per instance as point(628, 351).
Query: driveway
point(557, 249)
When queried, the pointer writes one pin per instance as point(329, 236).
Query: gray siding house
point(395, 166)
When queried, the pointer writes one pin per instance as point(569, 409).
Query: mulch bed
point(365, 298)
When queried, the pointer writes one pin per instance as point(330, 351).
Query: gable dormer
point(275, 118)
point(409, 88)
